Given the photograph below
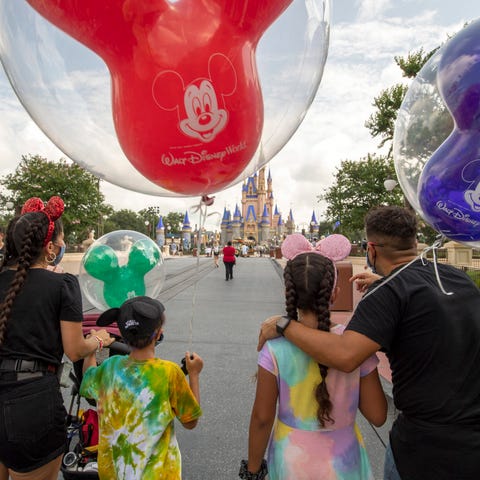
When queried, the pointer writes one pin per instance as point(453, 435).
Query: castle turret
point(290, 224)
point(186, 232)
point(160, 233)
point(280, 229)
point(264, 226)
point(224, 226)
point(314, 227)
point(236, 223)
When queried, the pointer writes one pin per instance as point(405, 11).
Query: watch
point(282, 324)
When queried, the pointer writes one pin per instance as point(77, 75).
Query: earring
point(50, 258)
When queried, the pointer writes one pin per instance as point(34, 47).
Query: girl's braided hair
point(310, 277)
point(25, 239)
point(309, 281)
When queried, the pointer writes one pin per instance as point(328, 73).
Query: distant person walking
point(216, 254)
point(228, 260)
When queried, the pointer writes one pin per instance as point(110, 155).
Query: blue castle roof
point(251, 214)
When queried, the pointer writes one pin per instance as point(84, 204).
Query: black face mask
point(369, 264)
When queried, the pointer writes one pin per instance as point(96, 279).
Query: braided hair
point(309, 281)
point(23, 247)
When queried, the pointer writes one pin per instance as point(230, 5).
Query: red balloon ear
point(54, 208)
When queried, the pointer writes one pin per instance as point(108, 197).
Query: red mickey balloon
point(187, 103)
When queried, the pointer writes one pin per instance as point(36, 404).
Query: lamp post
point(147, 225)
point(389, 185)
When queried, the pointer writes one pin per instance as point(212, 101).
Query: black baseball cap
point(137, 317)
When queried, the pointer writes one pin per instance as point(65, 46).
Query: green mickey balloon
point(121, 282)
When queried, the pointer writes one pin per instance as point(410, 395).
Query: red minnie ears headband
point(53, 210)
point(336, 247)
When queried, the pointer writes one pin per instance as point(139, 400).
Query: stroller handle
point(119, 348)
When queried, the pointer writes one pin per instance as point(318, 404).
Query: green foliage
point(174, 219)
point(124, 220)
point(414, 62)
point(382, 122)
point(475, 276)
point(35, 176)
point(358, 187)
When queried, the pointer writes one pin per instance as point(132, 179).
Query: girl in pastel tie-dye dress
point(309, 423)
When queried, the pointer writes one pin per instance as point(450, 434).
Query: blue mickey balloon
point(449, 186)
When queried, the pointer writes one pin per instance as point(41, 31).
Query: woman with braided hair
point(40, 320)
point(314, 434)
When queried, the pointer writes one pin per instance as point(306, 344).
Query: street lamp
point(147, 223)
point(389, 184)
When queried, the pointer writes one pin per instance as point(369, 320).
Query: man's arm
point(344, 352)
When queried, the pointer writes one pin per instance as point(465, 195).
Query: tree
point(382, 122)
point(35, 176)
point(414, 62)
point(125, 220)
point(358, 187)
point(174, 219)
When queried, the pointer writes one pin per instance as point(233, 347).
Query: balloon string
point(202, 209)
point(434, 247)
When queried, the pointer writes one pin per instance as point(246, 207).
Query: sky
point(365, 36)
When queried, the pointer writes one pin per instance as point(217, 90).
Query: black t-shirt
point(33, 329)
point(432, 341)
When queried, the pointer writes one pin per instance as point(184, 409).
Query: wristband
point(246, 475)
point(100, 343)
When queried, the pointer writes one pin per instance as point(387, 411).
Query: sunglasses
point(365, 244)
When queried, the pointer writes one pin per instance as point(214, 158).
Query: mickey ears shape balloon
point(192, 110)
point(121, 265)
point(448, 188)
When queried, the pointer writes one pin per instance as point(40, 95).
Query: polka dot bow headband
point(335, 247)
point(53, 210)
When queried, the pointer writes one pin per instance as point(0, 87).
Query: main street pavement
point(220, 321)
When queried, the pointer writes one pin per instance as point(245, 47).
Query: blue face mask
point(59, 257)
point(369, 264)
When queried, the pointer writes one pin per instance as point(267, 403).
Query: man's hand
point(268, 330)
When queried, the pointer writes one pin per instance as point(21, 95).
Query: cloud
point(370, 9)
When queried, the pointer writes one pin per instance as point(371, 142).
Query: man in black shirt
point(429, 327)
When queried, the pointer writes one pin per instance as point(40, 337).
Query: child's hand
point(194, 363)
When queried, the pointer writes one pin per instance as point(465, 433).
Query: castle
point(259, 220)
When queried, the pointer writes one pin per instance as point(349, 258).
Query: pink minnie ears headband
point(53, 210)
point(336, 247)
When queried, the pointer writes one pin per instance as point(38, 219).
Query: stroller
point(80, 458)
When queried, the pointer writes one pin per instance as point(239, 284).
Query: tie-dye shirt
point(299, 447)
point(137, 402)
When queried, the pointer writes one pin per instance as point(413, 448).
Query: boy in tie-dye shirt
point(139, 396)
